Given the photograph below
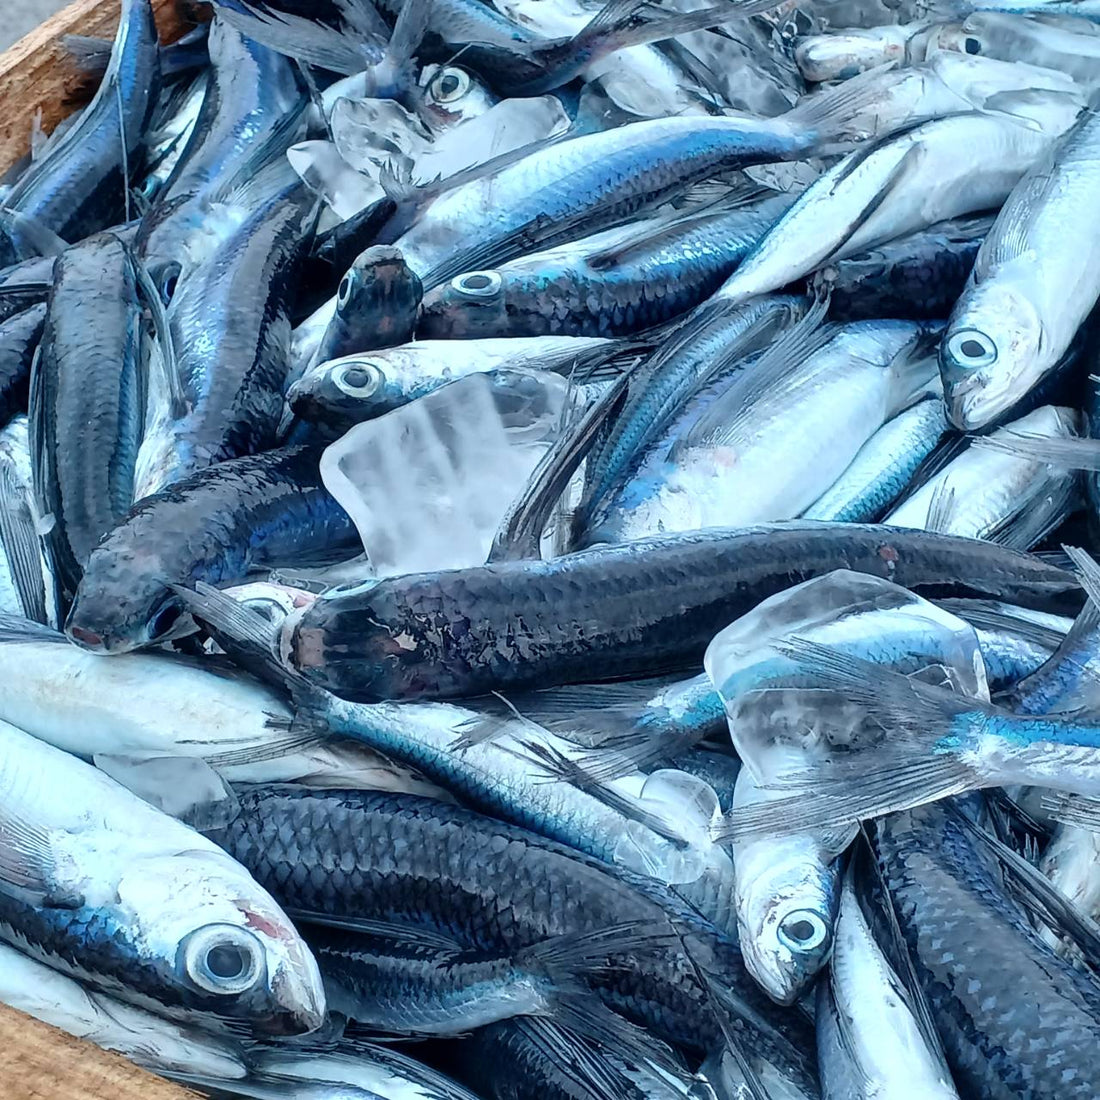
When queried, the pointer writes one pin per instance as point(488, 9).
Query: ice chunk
point(321, 168)
point(778, 721)
point(428, 484)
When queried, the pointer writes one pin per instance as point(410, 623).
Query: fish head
point(472, 304)
point(342, 392)
point(222, 943)
point(451, 95)
point(122, 604)
point(786, 917)
point(381, 294)
point(990, 354)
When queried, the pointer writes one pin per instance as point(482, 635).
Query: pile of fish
point(546, 551)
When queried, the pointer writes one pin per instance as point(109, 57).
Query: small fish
point(108, 890)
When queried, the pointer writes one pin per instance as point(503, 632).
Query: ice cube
point(428, 484)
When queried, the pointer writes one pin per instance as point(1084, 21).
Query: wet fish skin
point(530, 890)
point(79, 187)
point(1028, 293)
point(216, 526)
point(1021, 1022)
point(19, 336)
point(647, 279)
point(918, 277)
point(150, 1040)
point(88, 398)
point(113, 892)
point(884, 466)
point(230, 322)
point(658, 602)
point(346, 391)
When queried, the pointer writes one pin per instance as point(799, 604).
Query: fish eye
point(972, 45)
point(343, 292)
point(478, 284)
point(802, 930)
point(222, 958)
point(448, 85)
point(148, 188)
point(164, 620)
point(971, 349)
point(357, 379)
point(169, 281)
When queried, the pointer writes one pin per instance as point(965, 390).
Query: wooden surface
point(38, 1062)
point(37, 73)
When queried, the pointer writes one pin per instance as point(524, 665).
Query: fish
point(19, 337)
point(613, 283)
point(150, 1040)
point(1016, 987)
point(1008, 329)
point(80, 184)
point(218, 526)
point(732, 460)
point(88, 400)
point(104, 888)
point(346, 391)
point(378, 641)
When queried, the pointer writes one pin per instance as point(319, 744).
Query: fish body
point(80, 185)
point(88, 400)
point(217, 526)
point(611, 284)
point(19, 336)
point(652, 604)
point(115, 893)
point(1028, 294)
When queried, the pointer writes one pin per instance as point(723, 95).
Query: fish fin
point(21, 545)
point(569, 1054)
point(408, 32)
point(410, 935)
point(1072, 453)
point(15, 628)
point(1031, 524)
point(1037, 894)
point(771, 373)
point(303, 39)
point(185, 787)
point(1087, 570)
point(569, 955)
point(941, 507)
point(1077, 810)
point(908, 767)
point(520, 532)
point(28, 863)
point(1010, 237)
point(248, 638)
point(584, 1014)
point(165, 356)
point(29, 238)
point(844, 112)
point(90, 55)
point(986, 615)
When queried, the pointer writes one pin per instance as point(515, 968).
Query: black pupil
point(448, 85)
point(226, 962)
point(356, 377)
point(477, 282)
point(801, 930)
point(972, 45)
point(972, 349)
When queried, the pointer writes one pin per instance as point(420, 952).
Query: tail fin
point(1072, 452)
point(20, 544)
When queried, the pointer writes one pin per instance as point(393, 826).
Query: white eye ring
point(802, 931)
point(223, 959)
point(457, 83)
point(478, 284)
point(343, 291)
point(970, 348)
point(357, 378)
